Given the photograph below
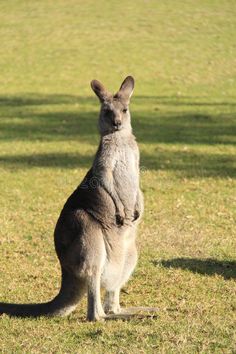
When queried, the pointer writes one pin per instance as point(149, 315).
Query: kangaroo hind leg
point(95, 261)
point(112, 296)
point(112, 301)
point(95, 310)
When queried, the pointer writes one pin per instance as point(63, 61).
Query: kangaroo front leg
point(95, 311)
point(112, 301)
point(138, 208)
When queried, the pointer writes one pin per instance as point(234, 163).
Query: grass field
point(183, 57)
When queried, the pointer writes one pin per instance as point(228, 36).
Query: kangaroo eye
point(124, 110)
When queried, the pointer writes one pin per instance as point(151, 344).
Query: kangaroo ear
point(99, 89)
point(126, 88)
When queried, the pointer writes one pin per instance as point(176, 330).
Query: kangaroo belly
point(119, 245)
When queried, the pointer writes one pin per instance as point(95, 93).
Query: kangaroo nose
point(117, 123)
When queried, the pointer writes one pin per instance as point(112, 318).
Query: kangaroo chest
point(126, 173)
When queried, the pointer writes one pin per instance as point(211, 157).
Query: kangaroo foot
point(134, 312)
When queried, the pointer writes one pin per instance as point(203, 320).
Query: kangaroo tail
point(72, 289)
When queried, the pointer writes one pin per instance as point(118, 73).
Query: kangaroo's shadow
point(208, 266)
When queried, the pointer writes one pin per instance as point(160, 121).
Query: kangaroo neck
point(118, 136)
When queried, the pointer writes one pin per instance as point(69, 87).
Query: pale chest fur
point(117, 166)
point(126, 166)
point(126, 172)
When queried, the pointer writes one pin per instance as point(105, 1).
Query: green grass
point(182, 55)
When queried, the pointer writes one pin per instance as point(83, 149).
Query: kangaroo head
point(114, 114)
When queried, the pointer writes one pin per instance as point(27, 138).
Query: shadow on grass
point(185, 128)
point(209, 266)
point(186, 101)
point(190, 163)
point(36, 99)
point(51, 160)
point(58, 117)
point(34, 117)
point(51, 126)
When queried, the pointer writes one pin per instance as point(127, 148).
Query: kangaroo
point(95, 233)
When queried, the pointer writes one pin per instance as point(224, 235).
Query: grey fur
point(95, 233)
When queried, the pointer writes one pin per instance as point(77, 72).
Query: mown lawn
point(183, 57)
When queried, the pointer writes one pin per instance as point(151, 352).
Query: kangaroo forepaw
point(119, 220)
point(136, 215)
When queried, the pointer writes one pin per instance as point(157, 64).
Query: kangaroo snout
point(117, 124)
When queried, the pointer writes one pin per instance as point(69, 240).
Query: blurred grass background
point(183, 57)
